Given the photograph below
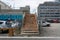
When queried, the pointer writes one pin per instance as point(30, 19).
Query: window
point(57, 13)
point(43, 22)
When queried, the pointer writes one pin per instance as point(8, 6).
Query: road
point(53, 31)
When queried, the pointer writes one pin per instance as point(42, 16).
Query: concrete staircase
point(30, 26)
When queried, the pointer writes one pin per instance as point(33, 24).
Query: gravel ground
point(52, 31)
point(30, 38)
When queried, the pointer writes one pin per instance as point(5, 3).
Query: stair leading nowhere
point(30, 25)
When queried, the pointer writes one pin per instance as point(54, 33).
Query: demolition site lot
point(52, 31)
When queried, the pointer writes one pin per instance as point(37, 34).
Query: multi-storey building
point(25, 9)
point(49, 10)
point(6, 12)
point(57, 0)
point(4, 6)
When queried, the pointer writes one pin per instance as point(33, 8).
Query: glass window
point(57, 13)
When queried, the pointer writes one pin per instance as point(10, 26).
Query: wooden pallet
point(10, 31)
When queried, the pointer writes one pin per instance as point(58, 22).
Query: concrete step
point(30, 25)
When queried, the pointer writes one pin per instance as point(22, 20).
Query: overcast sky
point(21, 3)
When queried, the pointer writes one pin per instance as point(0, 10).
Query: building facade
point(4, 6)
point(49, 10)
point(25, 9)
point(6, 13)
point(57, 0)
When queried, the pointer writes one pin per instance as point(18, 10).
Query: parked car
point(55, 21)
point(14, 24)
point(59, 21)
point(4, 25)
point(45, 24)
point(50, 20)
